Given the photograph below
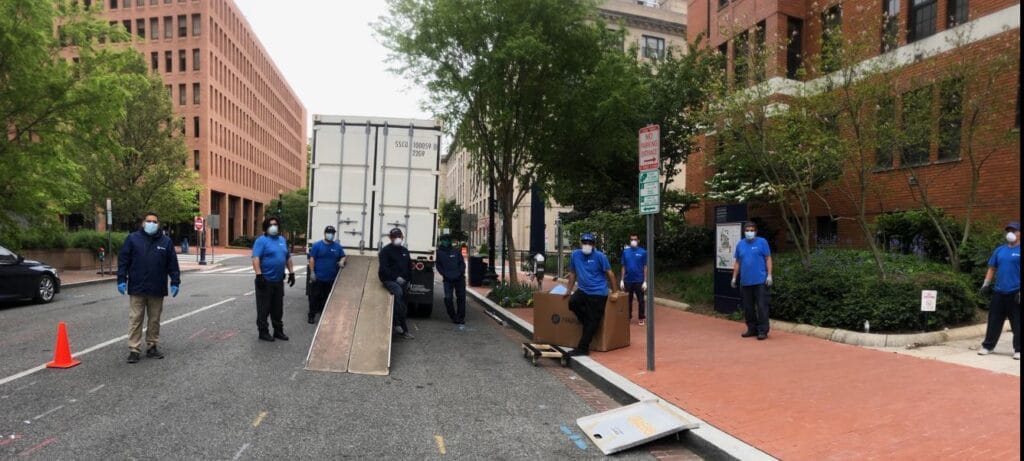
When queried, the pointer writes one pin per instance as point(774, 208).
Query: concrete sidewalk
point(799, 397)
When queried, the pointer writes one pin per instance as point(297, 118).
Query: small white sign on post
point(650, 148)
point(929, 298)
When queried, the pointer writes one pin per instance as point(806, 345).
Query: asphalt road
point(221, 394)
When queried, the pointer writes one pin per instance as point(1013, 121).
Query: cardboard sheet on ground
point(633, 425)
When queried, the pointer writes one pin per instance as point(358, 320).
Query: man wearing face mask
point(326, 258)
point(144, 264)
point(270, 258)
point(1004, 267)
point(394, 272)
point(590, 268)
point(634, 276)
point(452, 268)
point(754, 267)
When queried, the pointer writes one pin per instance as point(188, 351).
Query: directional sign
point(650, 147)
point(650, 192)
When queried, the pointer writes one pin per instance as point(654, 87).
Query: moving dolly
point(535, 351)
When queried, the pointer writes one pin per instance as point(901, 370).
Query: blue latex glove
point(174, 291)
point(122, 287)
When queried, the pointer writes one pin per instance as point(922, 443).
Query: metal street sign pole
point(110, 222)
point(649, 161)
point(650, 292)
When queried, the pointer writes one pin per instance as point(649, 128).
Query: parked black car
point(26, 279)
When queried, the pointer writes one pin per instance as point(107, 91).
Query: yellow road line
point(440, 444)
point(259, 419)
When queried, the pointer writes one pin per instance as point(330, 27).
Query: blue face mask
point(150, 227)
point(750, 235)
point(329, 237)
point(272, 230)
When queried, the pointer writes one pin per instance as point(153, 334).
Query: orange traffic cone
point(62, 353)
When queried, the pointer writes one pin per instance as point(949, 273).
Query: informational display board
point(726, 237)
point(729, 221)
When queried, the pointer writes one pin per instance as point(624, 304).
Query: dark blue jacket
point(450, 264)
point(394, 263)
point(145, 262)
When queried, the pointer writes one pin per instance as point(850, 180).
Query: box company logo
point(556, 319)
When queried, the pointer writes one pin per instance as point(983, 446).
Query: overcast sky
point(331, 58)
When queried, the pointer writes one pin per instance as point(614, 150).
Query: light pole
point(491, 256)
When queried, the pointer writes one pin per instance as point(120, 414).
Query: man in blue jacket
point(753, 265)
point(395, 271)
point(452, 268)
point(326, 258)
point(144, 264)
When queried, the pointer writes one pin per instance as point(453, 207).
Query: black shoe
point(133, 357)
point(280, 335)
point(311, 318)
point(154, 353)
point(762, 336)
point(748, 334)
point(406, 335)
point(265, 336)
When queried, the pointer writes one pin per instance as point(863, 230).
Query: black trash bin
point(477, 269)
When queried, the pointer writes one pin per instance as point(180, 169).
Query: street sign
point(650, 192)
point(929, 298)
point(110, 216)
point(199, 223)
point(213, 221)
point(650, 148)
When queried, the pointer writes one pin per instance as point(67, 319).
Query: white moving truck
point(372, 174)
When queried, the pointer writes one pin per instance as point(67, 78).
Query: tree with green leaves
point(449, 216)
point(294, 212)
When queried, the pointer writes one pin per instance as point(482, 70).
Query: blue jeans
point(399, 307)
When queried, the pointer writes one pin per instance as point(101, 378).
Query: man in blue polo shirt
point(590, 272)
point(634, 276)
point(753, 265)
point(326, 258)
point(1004, 267)
point(270, 258)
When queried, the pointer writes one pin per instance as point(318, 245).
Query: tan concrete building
point(245, 126)
point(653, 26)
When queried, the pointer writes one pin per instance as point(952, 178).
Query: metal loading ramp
point(354, 333)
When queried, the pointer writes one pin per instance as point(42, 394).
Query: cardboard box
point(554, 323)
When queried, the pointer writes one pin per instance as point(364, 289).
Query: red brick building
point(919, 36)
point(245, 126)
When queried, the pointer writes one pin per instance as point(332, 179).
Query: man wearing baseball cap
point(589, 268)
point(326, 258)
point(394, 272)
point(1004, 267)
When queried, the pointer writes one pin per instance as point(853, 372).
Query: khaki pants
point(150, 307)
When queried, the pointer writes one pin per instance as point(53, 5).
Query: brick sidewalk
point(798, 397)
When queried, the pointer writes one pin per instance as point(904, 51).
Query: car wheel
point(46, 289)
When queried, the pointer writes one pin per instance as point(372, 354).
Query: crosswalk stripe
point(221, 269)
point(235, 271)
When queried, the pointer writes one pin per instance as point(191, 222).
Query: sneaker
point(407, 335)
point(133, 357)
point(748, 334)
point(280, 335)
point(461, 327)
point(1016, 355)
point(265, 336)
point(311, 318)
point(154, 353)
point(762, 336)
point(984, 351)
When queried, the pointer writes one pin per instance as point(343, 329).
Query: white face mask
point(272, 230)
point(587, 249)
point(750, 235)
point(634, 243)
point(1011, 237)
point(329, 237)
point(150, 227)
point(397, 242)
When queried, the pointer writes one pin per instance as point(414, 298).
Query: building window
point(195, 93)
point(195, 127)
point(917, 117)
point(181, 61)
point(153, 2)
point(890, 25)
point(168, 61)
point(113, 4)
point(127, 23)
point(741, 59)
point(140, 28)
point(140, 3)
point(654, 47)
point(794, 49)
point(195, 58)
point(154, 26)
point(195, 160)
point(886, 129)
point(181, 94)
point(951, 113)
point(759, 52)
point(827, 231)
point(832, 39)
point(723, 51)
point(154, 61)
point(922, 19)
point(957, 12)
point(168, 27)
point(183, 126)
point(182, 26)
point(197, 25)
point(723, 3)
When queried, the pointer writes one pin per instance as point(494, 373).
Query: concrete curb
point(855, 338)
point(111, 279)
point(708, 440)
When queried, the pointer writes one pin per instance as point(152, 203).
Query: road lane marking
point(37, 447)
point(235, 271)
point(6, 440)
point(214, 271)
point(440, 444)
point(93, 390)
point(259, 419)
point(249, 293)
point(574, 437)
point(99, 346)
point(239, 453)
point(197, 333)
point(44, 414)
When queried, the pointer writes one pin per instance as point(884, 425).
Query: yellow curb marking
point(440, 444)
point(259, 419)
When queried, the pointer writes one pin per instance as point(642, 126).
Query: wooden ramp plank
point(332, 342)
point(371, 343)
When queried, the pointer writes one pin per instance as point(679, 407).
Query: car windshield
point(5, 253)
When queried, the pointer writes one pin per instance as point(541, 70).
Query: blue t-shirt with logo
point(273, 254)
point(752, 255)
point(590, 272)
point(1006, 261)
point(325, 258)
point(634, 260)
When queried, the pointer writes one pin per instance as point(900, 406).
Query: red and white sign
point(199, 224)
point(650, 147)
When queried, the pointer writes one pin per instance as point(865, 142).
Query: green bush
point(683, 246)
point(840, 289)
point(244, 241)
point(692, 287)
point(678, 244)
point(513, 294)
point(913, 232)
point(92, 240)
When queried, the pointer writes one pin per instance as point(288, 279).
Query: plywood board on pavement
point(371, 341)
point(632, 425)
point(332, 342)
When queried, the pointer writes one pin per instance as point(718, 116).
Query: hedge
point(840, 289)
point(513, 294)
point(84, 239)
